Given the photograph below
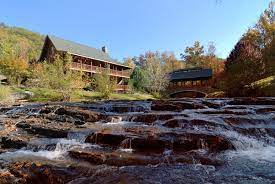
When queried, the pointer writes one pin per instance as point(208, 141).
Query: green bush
point(57, 76)
point(104, 84)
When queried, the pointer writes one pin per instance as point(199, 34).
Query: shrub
point(104, 84)
point(57, 76)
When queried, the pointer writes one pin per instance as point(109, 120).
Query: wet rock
point(83, 115)
point(256, 132)
point(252, 101)
point(7, 178)
point(49, 132)
point(194, 156)
point(127, 108)
point(244, 122)
point(119, 158)
point(12, 142)
point(43, 130)
point(149, 144)
point(64, 118)
point(190, 141)
point(47, 109)
point(174, 123)
point(212, 104)
point(265, 110)
point(5, 109)
point(226, 112)
point(110, 139)
point(174, 105)
point(33, 173)
point(149, 118)
point(113, 158)
point(206, 123)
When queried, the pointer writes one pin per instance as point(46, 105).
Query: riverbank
point(11, 94)
point(173, 141)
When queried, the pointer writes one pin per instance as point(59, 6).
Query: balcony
point(122, 87)
point(97, 69)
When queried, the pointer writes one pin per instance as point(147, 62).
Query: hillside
point(21, 42)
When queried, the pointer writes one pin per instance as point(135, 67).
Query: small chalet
point(86, 59)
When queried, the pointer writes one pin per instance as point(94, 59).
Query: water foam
point(251, 147)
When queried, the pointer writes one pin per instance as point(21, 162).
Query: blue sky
point(131, 27)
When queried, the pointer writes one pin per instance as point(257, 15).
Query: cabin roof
point(82, 50)
point(190, 74)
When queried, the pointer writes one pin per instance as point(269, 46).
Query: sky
point(131, 27)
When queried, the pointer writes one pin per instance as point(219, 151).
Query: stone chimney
point(104, 49)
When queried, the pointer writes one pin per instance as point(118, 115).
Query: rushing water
point(253, 137)
point(53, 149)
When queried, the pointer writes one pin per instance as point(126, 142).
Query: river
point(230, 140)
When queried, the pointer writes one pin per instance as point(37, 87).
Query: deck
point(97, 69)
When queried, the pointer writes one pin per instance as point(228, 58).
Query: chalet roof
point(190, 74)
point(81, 50)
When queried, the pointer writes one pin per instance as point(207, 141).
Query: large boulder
point(23, 95)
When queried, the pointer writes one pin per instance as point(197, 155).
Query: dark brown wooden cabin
point(86, 59)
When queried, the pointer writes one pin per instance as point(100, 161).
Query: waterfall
point(253, 148)
point(40, 147)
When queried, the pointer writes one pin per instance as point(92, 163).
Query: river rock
point(12, 142)
point(110, 139)
point(252, 101)
point(40, 129)
point(84, 115)
point(113, 158)
point(149, 118)
point(174, 105)
point(174, 123)
point(24, 95)
point(33, 173)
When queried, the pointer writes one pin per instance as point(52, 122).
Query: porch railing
point(97, 69)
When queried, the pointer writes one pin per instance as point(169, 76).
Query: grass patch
point(5, 93)
point(216, 94)
point(266, 86)
point(50, 95)
point(263, 83)
point(45, 95)
point(91, 96)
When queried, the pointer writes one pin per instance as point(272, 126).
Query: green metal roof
point(81, 50)
point(190, 74)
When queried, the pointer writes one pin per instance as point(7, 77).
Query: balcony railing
point(97, 69)
point(122, 87)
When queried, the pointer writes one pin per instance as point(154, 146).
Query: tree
point(170, 62)
point(269, 58)
point(139, 79)
point(211, 50)
point(104, 84)
point(243, 66)
point(192, 55)
point(129, 62)
point(17, 48)
point(57, 76)
point(156, 75)
point(13, 61)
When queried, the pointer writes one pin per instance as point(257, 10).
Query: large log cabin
point(86, 59)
